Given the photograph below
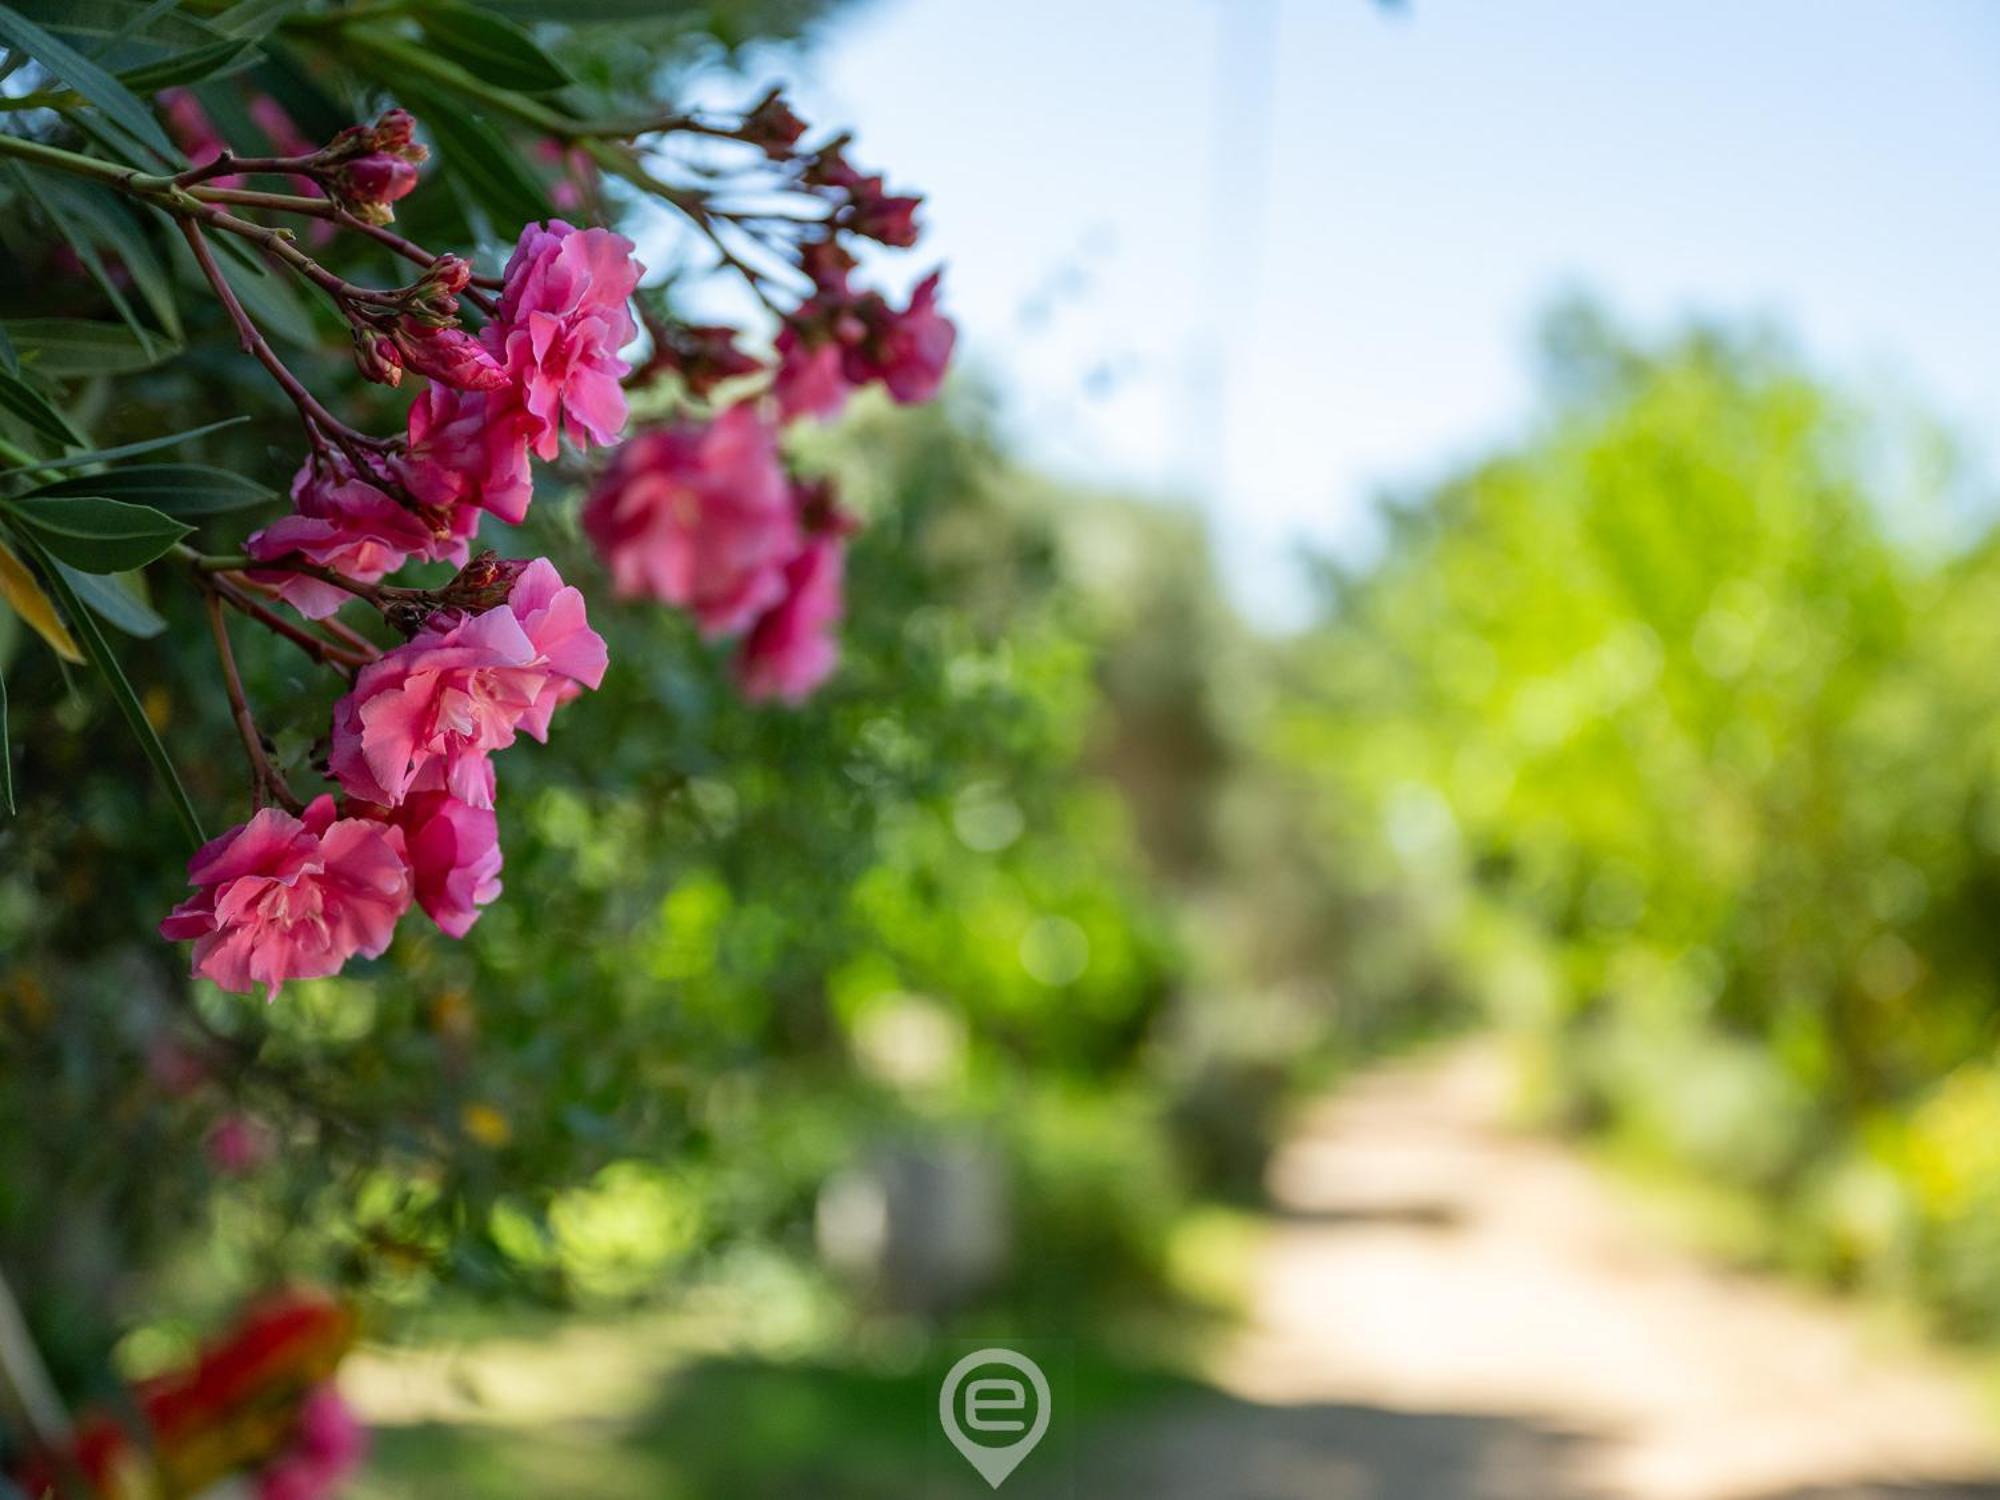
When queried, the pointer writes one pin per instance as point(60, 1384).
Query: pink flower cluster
point(328, 1445)
point(284, 897)
point(703, 516)
point(564, 313)
point(546, 366)
point(838, 341)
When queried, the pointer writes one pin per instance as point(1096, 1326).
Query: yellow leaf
point(18, 588)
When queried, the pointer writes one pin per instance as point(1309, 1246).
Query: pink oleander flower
point(698, 515)
point(347, 524)
point(906, 351)
point(827, 263)
point(282, 898)
point(427, 714)
point(239, 1145)
point(328, 1445)
point(194, 132)
point(287, 139)
point(564, 313)
point(811, 380)
point(454, 851)
point(576, 174)
point(791, 649)
point(468, 451)
point(175, 1069)
point(279, 127)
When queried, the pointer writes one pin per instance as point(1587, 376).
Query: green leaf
point(255, 18)
point(193, 66)
point(6, 752)
point(173, 489)
point(117, 102)
point(130, 450)
point(114, 228)
point(578, 11)
point(9, 360)
point(114, 601)
point(63, 348)
point(111, 28)
point(86, 251)
point(270, 300)
point(479, 158)
point(33, 408)
point(491, 48)
point(95, 534)
point(99, 652)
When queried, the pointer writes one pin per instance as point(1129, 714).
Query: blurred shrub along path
point(1440, 1306)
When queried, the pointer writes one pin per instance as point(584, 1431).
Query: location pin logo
point(995, 1407)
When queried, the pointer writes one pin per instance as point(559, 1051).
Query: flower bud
point(377, 357)
point(483, 583)
point(377, 177)
point(826, 263)
point(876, 215)
point(395, 132)
point(772, 126)
point(704, 355)
point(447, 354)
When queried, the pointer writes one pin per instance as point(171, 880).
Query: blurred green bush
point(1667, 737)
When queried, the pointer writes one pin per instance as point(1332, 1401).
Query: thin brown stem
point(254, 344)
point(324, 652)
point(266, 778)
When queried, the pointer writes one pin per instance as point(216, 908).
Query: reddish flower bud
point(829, 168)
point(377, 358)
point(889, 219)
point(377, 177)
point(773, 127)
point(447, 354)
point(704, 355)
point(483, 583)
point(826, 263)
point(450, 274)
point(395, 132)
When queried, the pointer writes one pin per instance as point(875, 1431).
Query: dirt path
point(1449, 1311)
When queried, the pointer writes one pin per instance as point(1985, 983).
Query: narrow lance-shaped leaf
point(479, 157)
point(198, 66)
point(25, 597)
point(63, 348)
point(86, 252)
point(176, 489)
point(113, 226)
point(133, 450)
point(114, 603)
point(96, 534)
point(119, 104)
point(6, 750)
point(491, 48)
point(99, 652)
point(33, 408)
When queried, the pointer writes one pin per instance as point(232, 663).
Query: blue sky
point(1269, 254)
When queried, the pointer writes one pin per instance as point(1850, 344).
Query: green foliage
point(1657, 729)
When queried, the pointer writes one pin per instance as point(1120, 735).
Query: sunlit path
point(1447, 1309)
